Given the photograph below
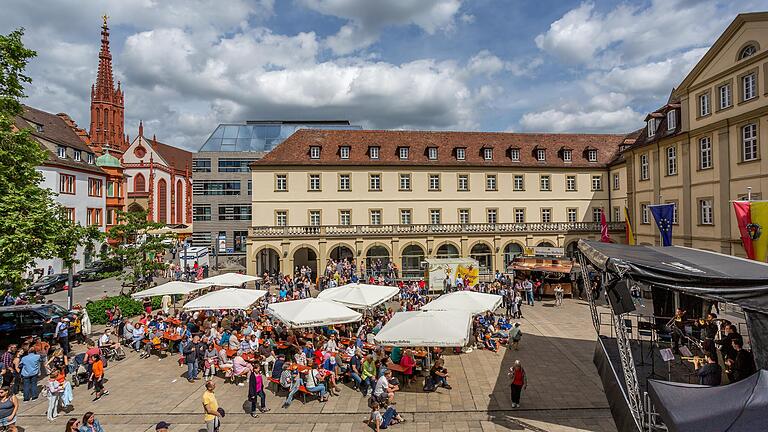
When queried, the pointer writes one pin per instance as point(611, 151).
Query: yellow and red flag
point(630, 233)
point(752, 219)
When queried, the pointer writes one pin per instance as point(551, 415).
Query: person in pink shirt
point(408, 362)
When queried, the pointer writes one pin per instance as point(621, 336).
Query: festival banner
point(663, 214)
point(743, 220)
point(630, 233)
point(604, 236)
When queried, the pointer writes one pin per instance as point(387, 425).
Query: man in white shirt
point(331, 346)
point(383, 391)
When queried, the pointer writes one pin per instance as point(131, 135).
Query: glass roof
point(261, 136)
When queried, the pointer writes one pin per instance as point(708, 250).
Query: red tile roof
point(295, 149)
point(176, 157)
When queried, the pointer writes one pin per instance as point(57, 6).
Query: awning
point(359, 296)
point(312, 312)
point(468, 301)
point(226, 299)
point(229, 279)
point(426, 328)
point(171, 288)
point(543, 265)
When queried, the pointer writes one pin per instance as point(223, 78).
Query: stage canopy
point(359, 296)
point(171, 288)
point(469, 301)
point(229, 279)
point(227, 298)
point(426, 328)
point(737, 407)
point(312, 312)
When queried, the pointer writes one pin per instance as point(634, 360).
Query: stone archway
point(511, 250)
point(267, 261)
point(135, 207)
point(484, 256)
point(377, 258)
point(545, 244)
point(570, 249)
point(412, 256)
point(342, 252)
point(447, 250)
point(305, 256)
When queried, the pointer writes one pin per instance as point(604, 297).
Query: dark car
point(96, 269)
point(51, 283)
point(17, 322)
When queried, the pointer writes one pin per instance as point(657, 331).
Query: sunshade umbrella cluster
point(359, 296)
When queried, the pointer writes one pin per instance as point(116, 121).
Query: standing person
point(256, 390)
point(518, 382)
point(515, 334)
point(61, 334)
point(55, 390)
point(90, 423)
point(212, 416)
point(30, 369)
point(97, 376)
point(528, 287)
point(558, 295)
point(193, 352)
point(9, 406)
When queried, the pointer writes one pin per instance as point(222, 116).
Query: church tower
point(107, 104)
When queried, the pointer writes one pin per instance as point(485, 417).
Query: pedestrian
point(528, 287)
point(97, 377)
point(558, 295)
point(193, 352)
point(90, 423)
point(30, 369)
point(9, 406)
point(256, 390)
point(515, 334)
point(212, 415)
point(518, 383)
point(61, 334)
point(55, 390)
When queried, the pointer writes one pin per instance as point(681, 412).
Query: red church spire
point(104, 82)
point(107, 103)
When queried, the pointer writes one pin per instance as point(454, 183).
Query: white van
point(192, 254)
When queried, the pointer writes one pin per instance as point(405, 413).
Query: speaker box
point(620, 297)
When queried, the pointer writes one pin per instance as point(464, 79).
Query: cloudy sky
point(493, 65)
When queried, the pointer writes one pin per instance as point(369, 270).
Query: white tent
point(229, 279)
point(359, 296)
point(311, 312)
point(426, 328)
point(170, 288)
point(469, 301)
point(227, 298)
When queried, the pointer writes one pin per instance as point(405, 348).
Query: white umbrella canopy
point(229, 279)
point(227, 298)
point(469, 301)
point(426, 328)
point(312, 312)
point(359, 296)
point(170, 288)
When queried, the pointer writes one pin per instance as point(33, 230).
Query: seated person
point(396, 355)
point(240, 367)
point(253, 343)
point(277, 368)
point(439, 374)
point(234, 342)
point(383, 391)
point(313, 383)
point(378, 421)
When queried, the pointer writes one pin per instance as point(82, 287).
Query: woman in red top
point(518, 382)
point(408, 362)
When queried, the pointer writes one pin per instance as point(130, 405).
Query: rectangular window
point(596, 212)
point(403, 152)
point(461, 153)
point(314, 152)
point(544, 183)
point(281, 182)
point(201, 238)
point(234, 165)
point(546, 215)
point(375, 217)
point(671, 160)
point(91, 160)
point(432, 153)
point(112, 189)
point(749, 142)
point(464, 216)
point(250, 187)
point(67, 184)
point(235, 212)
point(490, 216)
point(644, 216)
point(405, 216)
point(567, 155)
point(314, 217)
point(671, 120)
point(344, 152)
point(373, 152)
point(674, 211)
point(487, 153)
point(345, 183)
point(405, 182)
point(435, 216)
point(201, 213)
point(201, 165)
point(616, 181)
point(514, 154)
point(345, 217)
point(592, 155)
point(434, 182)
point(749, 86)
point(463, 184)
point(541, 155)
point(519, 215)
point(215, 188)
point(570, 183)
point(374, 182)
point(69, 212)
point(61, 152)
point(616, 214)
point(76, 156)
point(111, 216)
point(644, 167)
point(725, 96)
point(651, 127)
point(314, 182)
point(490, 182)
point(93, 216)
point(704, 105)
point(706, 216)
point(517, 183)
point(94, 187)
point(281, 217)
point(572, 215)
point(240, 238)
point(705, 153)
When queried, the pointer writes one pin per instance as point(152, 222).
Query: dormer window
point(567, 155)
point(592, 155)
point(514, 154)
point(403, 152)
point(671, 120)
point(488, 153)
point(747, 51)
point(651, 127)
point(461, 153)
point(541, 155)
point(344, 152)
point(432, 153)
point(76, 156)
point(39, 127)
point(373, 152)
point(90, 159)
point(61, 152)
point(314, 152)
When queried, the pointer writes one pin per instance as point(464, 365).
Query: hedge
point(130, 307)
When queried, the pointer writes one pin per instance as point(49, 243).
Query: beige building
point(408, 195)
point(704, 147)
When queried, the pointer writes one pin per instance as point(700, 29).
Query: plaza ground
point(564, 391)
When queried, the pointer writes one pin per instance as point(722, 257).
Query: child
point(55, 390)
point(97, 377)
point(378, 421)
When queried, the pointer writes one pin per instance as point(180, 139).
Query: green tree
point(28, 225)
point(73, 236)
point(138, 247)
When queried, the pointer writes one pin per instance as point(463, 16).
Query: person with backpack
point(515, 334)
point(518, 383)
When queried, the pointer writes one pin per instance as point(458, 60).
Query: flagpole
point(661, 234)
point(749, 193)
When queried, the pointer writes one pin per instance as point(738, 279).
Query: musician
point(710, 372)
point(708, 326)
point(743, 365)
point(677, 321)
point(726, 344)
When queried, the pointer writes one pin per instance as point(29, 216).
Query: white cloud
point(485, 63)
point(553, 120)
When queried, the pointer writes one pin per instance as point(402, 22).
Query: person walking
point(97, 377)
point(515, 334)
point(61, 334)
point(256, 390)
point(212, 415)
point(30, 369)
point(55, 390)
point(518, 383)
point(9, 406)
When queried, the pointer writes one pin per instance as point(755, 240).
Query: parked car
point(17, 322)
point(51, 283)
point(95, 270)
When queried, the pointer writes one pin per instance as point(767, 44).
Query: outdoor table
point(300, 368)
point(251, 357)
point(173, 321)
point(172, 338)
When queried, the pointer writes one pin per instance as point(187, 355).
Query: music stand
point(668, 356)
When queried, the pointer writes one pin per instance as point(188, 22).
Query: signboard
point(544, 251)
point(464, 270)
point(222, 244)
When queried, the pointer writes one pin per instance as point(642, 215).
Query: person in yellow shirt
point(211, 408)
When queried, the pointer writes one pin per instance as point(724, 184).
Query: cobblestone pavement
point(564, 391)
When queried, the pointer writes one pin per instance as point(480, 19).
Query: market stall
point(226, 299)
point(312, 312)
point(553, 271)
point(359, 296)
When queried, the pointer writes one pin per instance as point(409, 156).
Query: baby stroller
point(78, 370)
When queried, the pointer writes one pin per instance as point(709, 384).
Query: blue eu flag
point(664, 214)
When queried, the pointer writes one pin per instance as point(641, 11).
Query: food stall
point(548, 264)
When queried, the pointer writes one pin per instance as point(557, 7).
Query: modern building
point(70, 172)
point(222, 179)
point(408, 195)
point(705, 147)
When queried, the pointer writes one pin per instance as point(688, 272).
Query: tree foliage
point(138, 246)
